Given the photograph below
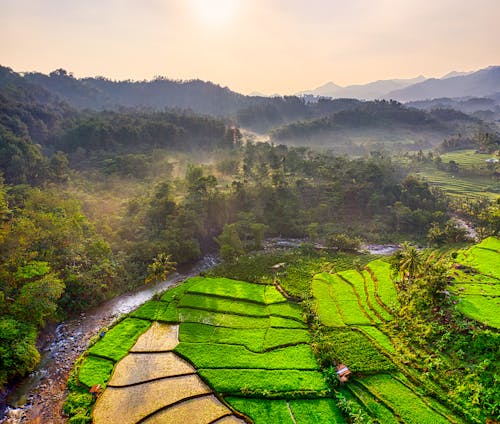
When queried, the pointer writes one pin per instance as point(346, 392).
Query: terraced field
point(476, 280)
point(355, 306)
point(244, 340)
point(223, 351)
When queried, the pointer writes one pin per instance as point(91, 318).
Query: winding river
point(39, 397)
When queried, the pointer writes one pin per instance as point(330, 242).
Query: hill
point(377, 122)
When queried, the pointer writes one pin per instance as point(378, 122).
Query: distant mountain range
point(482, 83)
point(371, 91)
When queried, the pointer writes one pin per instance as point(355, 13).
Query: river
point(39, 397)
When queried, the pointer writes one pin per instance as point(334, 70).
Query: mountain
point(481, 83)
point(371, 91)
point(456, 74)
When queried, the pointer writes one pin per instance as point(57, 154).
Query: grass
point(481, 308)
point(118, 341)
point(378, 336)
point(233, 289)
point(252, 338)
point(212, 355)
point(262, 411)
point(224, 305)
point(373, 405)
point(375, 301)
point(312, 411)
point(95, 370)
point(356, 279)
point(265, 383)
point(407, 404)
point(491, 243)
point(381, 272)
point(276, 337)
point(325, 308)
point(355, 350)
point(483, 260)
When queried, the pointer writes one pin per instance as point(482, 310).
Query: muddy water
point(39, 397)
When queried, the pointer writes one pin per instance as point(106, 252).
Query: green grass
point(483, 260)
point(175, 293)
point(492, 290)
point(355, 350)
point(407, 404)
point(383, 340)
point(373, 405)
point(95, 370)
point(265, 383)
point(344, 297)
point(284, 336)
point(224, 305)
point(375, 301)
point(262, 411)
point(251, 338)
point(155, 310)
point(234, 289)
point(118, 341)
point(280, 322)
point(315, 411)
point(286, 310)
point(212, 355)
point(481, 308)
point(383, 283)
point(356, 279)
point(491, 243)
point(324, 306)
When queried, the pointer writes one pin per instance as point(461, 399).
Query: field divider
point(377, 296)
point(368, 301)
point(186, 374)
point(166, 407)
point(244, 300)
point(345, 280)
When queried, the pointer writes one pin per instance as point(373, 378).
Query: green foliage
point(18, 353)
point(117, 341)
point(351, 348)
point(265, 383)
point(343, 242)
point(352, 410)
point(160, 268)
point(373, 404)
point(95, 370)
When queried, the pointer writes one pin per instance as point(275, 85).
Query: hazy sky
point(271, 46)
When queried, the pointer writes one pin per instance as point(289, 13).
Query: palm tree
point(408, 263)
point(160, 268)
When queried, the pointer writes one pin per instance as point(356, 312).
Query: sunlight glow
point(215, 12)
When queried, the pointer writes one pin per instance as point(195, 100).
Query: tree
point(161, 267)
point(230, 243)
point(407, 263)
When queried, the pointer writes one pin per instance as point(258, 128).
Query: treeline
point(51, 262)
point(383, 115)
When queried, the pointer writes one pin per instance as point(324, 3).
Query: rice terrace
point(220, 350)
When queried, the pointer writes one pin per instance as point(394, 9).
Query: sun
point(215, 12)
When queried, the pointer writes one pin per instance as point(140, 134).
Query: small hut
point(95, 390)
point(343, 373)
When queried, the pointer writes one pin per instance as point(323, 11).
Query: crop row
point(255, 340)
point(305, 411)
point(403, 401)
point(215, 355)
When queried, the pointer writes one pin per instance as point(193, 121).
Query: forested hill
point(383, 119)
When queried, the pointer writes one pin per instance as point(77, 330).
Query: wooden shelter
point(343, 373)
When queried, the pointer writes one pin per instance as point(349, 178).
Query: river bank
point(39, 397)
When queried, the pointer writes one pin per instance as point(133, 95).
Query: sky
point(266, 46)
